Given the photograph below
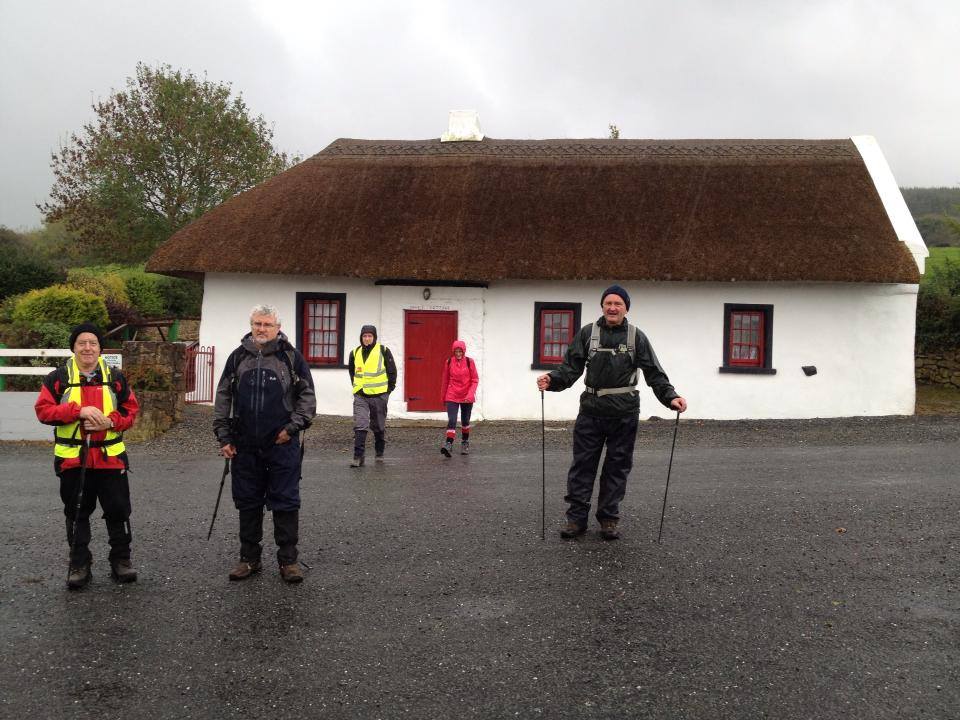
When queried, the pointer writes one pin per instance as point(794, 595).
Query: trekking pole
point(543, 467)
point(84, 452)
point(669, 468)
point(226, 471)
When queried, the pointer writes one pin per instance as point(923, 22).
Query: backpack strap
point(594, 348)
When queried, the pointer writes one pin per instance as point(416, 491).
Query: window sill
point(327, 366)
point(545, 366)
point(747, 370)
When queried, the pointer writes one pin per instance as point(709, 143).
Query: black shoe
point(572, 530)
point(357, 461)
point(465, 447)
point(608, 530)
point(122, 571)
point(446, 447)
point(79, 577)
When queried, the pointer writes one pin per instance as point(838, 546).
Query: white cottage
point(775, 278)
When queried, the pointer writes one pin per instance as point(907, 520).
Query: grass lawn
point(937, 400)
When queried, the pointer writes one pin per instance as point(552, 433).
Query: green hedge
point(938, 307)
point(59, 304)
point(18, 275)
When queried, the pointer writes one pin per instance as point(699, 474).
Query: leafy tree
point(160, 153)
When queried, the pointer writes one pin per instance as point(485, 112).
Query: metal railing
point(198, 373)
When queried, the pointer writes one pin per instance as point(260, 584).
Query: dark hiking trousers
point(286, 525)
point(590, 434)
point(112, 489)
point(268, 477)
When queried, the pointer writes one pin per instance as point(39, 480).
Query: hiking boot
point(244, 569)
point(357, 461)
point(446, 448)
point(291, 573)
point(78, 577)
point(608, 530)
point(465, 447)
point(122, 571)
point(572, 530)
point(378, 457)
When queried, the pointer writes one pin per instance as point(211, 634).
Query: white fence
point(17, 418)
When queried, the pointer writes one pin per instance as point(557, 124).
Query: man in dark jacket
point(373, 374)
point(264, 400)
point(609, 409)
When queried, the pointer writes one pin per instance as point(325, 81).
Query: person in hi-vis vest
point(373, 374)
point(85, 400)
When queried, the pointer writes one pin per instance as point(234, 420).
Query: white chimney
point(464, 125)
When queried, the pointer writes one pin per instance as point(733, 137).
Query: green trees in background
point(160, 153)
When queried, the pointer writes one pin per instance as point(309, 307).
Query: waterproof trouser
point(286, 534)
point(112, 489)
point(590, 434)
point(267, 476)
point(369, 413)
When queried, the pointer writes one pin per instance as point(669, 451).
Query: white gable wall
point(859, 336)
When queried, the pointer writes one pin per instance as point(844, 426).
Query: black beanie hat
point(372, 329)
point(85, 328)
point(616, 290)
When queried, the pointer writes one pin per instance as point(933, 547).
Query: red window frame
point(321, 331)
point(747, 338)
point(554, 338)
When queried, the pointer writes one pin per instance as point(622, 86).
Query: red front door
point(427, 338)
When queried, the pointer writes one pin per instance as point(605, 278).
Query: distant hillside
point(928, 206)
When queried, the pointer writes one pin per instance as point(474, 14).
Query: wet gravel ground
point(808, 569)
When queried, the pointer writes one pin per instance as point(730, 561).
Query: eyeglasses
point(263, 324)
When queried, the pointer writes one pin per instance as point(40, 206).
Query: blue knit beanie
point(616, 290)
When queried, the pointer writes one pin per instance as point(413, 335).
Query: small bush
point(108, 285)
point(145, 292)
point(18, 275)
point(60, 304)
point(183, 297)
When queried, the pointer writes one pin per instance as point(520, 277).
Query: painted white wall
point(859, 336)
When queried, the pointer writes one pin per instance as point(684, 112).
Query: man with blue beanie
point(611, 350)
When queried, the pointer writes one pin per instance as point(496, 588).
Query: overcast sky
point(320, 70)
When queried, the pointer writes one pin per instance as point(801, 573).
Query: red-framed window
point(320, 321)
point(555, 325)
point(746, 338)
point(556, 332)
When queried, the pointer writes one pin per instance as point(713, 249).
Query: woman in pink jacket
point(458, 390)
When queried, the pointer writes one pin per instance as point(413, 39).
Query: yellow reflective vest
point(369, 375)
point(67, 437)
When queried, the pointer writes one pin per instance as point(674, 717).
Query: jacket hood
point(271, 347)
point(458, 344)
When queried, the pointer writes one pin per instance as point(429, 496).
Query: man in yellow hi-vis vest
point(373, 373)
point(86, 400)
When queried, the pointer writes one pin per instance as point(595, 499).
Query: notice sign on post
point(113, 360)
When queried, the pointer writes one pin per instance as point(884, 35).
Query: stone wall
point(155, 370)
point(939, 369)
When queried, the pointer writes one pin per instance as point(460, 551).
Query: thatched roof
point(699, 210)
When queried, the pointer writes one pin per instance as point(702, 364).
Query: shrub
point(109, 285)
point(938, 309)
point(19, 274)
point(183, 297)
point(145, 291)
point(59, 304)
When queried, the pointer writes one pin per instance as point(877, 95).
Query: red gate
point(198, 373)
point(427, 338)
